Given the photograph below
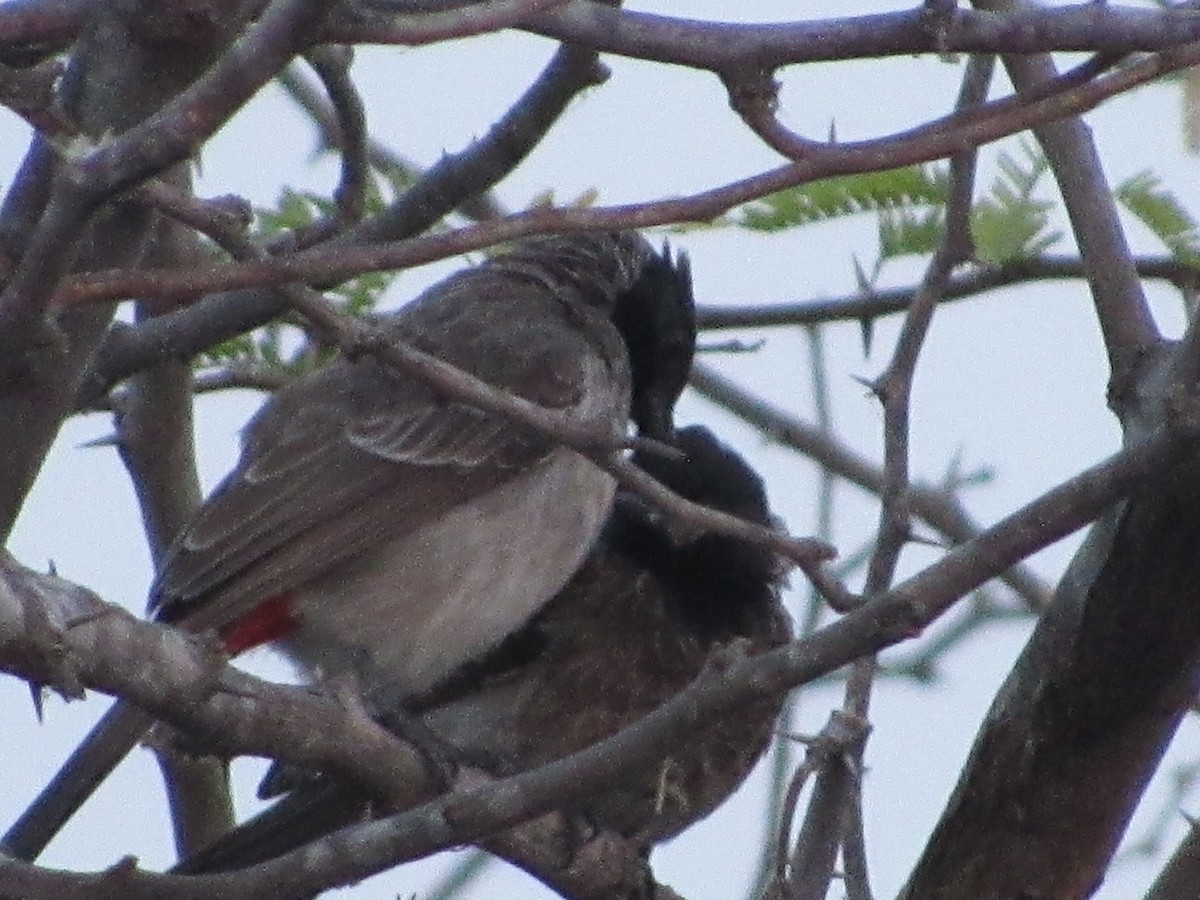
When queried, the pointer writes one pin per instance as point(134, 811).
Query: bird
point(374, 525)
point(644, 614)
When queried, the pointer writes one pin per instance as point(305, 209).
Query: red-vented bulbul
point(634, 626)
point(376, 525)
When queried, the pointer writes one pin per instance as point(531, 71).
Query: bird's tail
point(105, 746)
point(307, 813)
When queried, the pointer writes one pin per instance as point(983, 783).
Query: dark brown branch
point(894, 386)
point(154, 440)
point(722, 46)
point(126, 65)
point(467, 20)
point(380, 157)
point(447, 185)
point(932, 140)
point(1084, 716)
point(33, 29)
point(29, 92)
point(833, 761)
point(1087, 711)
point(457, 177)
point(838, 787)
point(181, 127)
point(1121, 307)
point(350, 195)
point(45, 25)
point(1180, 878)
point(84, 640)
point(888, 301)
point(353, 336)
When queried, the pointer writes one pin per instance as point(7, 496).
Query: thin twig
point(332, 65)
point(978, 279)
point(932, 504)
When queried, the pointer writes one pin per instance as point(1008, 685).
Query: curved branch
point(54, 633)
point(722, 46)
point(933, 140)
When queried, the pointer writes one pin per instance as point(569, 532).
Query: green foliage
point(1162, 212)
point(261, 349)
point(1008, 222)
point(844, 195)
point(294, 209)
point(909, 231)
point(276, 346)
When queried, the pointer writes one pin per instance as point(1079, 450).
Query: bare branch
point(128, 62)
point(976, 280)
point(33, 29)
point(933, 140)
point(383, 158)
point(350, 195)
point(447, 185)
point(465, 20)
point(721, 46)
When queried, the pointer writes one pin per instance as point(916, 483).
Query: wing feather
point(357, 455)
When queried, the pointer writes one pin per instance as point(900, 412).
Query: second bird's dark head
point(725, 586)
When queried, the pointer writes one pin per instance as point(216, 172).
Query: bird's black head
point(710, 473)
point(724, 586)
point(648, 297)
point(657, 318)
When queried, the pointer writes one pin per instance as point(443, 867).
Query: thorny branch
point(379, 156)
point(838, 780)
point(863, 306)
point(92, 653)
point(936, 139)
point(725, 46)
point(32, 27)
point(745, 56)
point(445, 186)
point(1121, 307)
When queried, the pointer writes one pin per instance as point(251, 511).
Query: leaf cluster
point(1010, 221)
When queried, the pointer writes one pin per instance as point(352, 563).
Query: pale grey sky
point(1014, 380)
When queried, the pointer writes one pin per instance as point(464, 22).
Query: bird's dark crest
point(657, 318)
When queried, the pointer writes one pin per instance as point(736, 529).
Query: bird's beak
point(658, 423)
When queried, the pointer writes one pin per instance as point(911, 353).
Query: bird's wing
point(358, 455)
